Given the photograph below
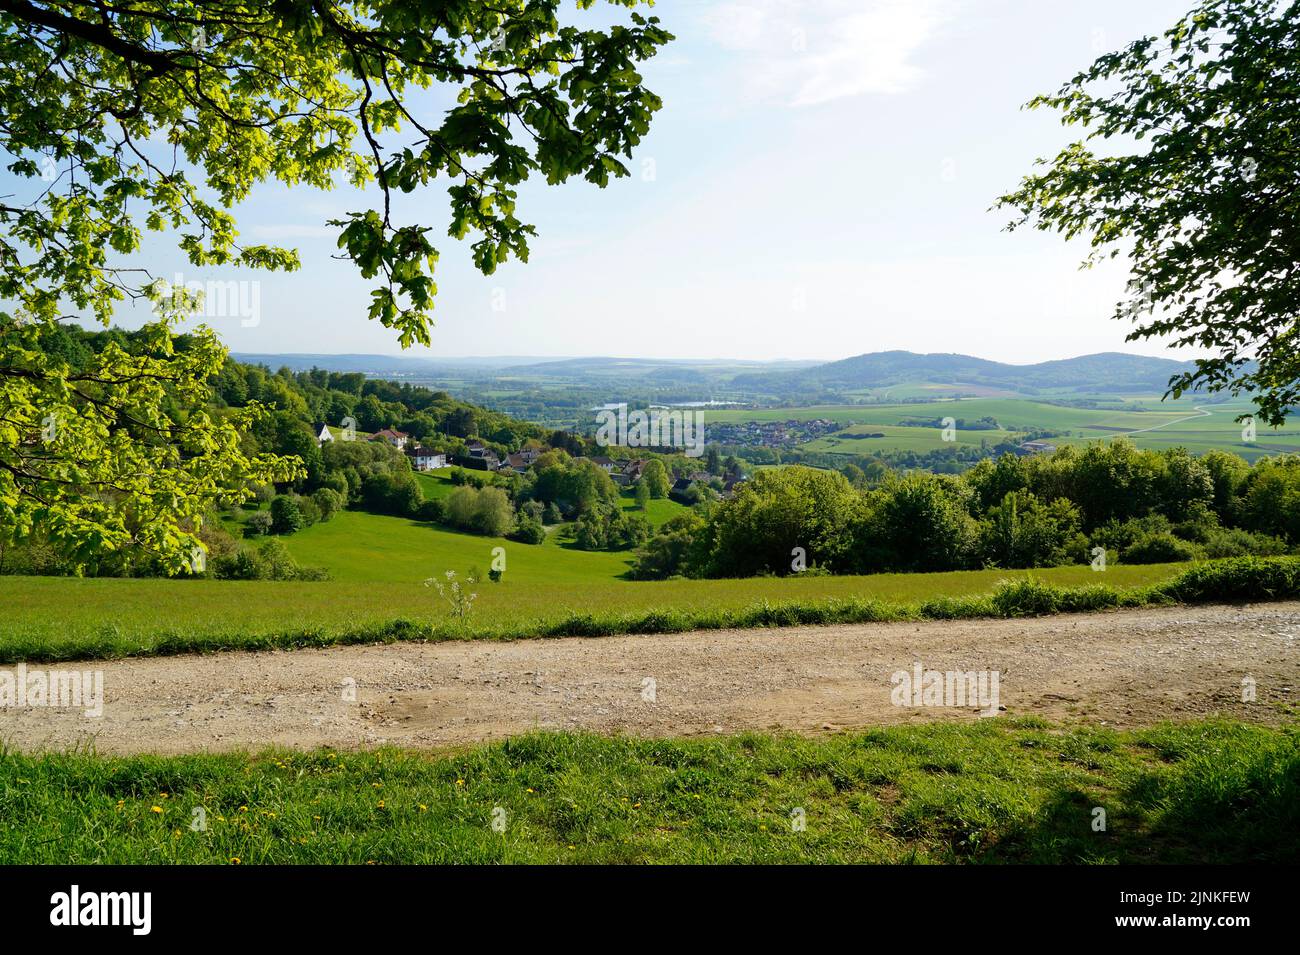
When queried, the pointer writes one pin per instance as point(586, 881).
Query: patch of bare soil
point(1130, 668)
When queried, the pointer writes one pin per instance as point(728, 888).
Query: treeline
point(1014, 512)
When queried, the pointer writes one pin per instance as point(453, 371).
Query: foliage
point(113, 454)
point(1195, 184)
point(160, 117)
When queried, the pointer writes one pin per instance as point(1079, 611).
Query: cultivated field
point(1188, 422)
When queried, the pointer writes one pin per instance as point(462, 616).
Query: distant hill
point(1104, 372)
point(379, 364)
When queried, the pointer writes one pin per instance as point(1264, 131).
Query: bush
point(1026, 597)
point(328, 501)
point(1022, 531)
point(241, 565)
point(480, 510)
point(435, 511)
point(1239, 579)
point(310, 512)
point(1162, 548)
point(528, 530)
point(258, 524)
point(286, 516)
point(1235, 542)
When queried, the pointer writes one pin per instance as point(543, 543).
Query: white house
point(426, 459)
point(396, 438)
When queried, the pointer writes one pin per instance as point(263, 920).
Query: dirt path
point(1126, 669)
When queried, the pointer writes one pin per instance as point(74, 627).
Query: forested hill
point(1103, 372)
point(301, 399)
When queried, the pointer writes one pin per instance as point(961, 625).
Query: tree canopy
point(1188, 168)
point(124, 118)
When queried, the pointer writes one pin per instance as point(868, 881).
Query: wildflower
point(234, 860)
point(155, 809)
point(423, 807)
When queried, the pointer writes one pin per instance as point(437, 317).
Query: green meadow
point(378, 566)
point(1000, 791)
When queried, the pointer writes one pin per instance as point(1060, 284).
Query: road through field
point(1128, 668)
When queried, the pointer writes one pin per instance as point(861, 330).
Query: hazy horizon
point(424, 356)
point(817, 185)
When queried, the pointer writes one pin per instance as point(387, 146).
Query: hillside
point(1106, 372)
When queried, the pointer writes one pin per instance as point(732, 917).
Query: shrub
point(528, 530)
point(1235, 542)
point(434, 511)
point(1162, 548)
point(258, 524)
point(1026, 597)
point(328, 501)
point(480, 510)
point(310, 512)
point(1237, 579)
point(286, 517)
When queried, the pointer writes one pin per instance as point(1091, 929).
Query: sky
point(817, 185)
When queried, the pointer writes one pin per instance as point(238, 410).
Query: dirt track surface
point(1131, 668)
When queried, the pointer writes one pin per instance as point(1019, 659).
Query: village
point(478, 456)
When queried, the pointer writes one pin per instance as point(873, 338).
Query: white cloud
point(804, 54)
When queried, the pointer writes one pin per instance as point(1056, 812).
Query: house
point(605, 464)
point(678, 492)
point(730, 485)
point(517, 462)
point(479, 452)
point(322, 432)
point(1037, 447)
point(425, 459)
point(397, 439)
point(633, 469)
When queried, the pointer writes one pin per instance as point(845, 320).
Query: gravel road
point(1129, 668)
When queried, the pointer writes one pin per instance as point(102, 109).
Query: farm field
point(378, 565)
point(991, 791)
point(1187, 422)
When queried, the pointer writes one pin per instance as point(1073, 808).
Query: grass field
point(993, 791)
point(378, 565)
point(1186, 422)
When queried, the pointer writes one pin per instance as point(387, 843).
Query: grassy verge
point(1240, 579)
point(992, 791)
